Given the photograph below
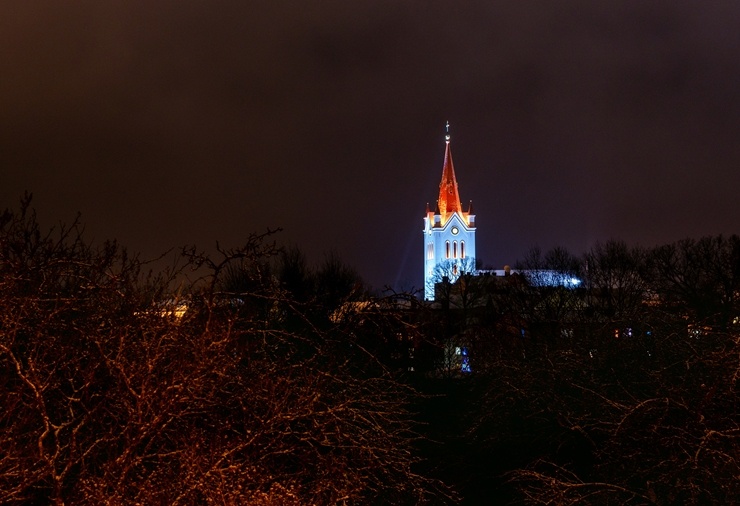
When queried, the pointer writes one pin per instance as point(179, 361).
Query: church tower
point(449, 232)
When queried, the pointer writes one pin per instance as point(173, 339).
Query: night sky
point(177, 122)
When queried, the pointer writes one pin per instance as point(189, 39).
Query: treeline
point(621, 388)
point(247, 376)
point(243, 388)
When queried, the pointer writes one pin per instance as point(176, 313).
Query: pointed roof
point(449, 196)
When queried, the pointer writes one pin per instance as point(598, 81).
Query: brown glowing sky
point(177, 122)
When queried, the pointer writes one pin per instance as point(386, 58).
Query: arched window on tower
point(454, 249)
point(462, 249)
point(430, 251)
point(447, 248)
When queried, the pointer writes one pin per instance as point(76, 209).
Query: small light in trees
point(465, 367)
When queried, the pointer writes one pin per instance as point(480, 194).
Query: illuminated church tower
point(449, 232)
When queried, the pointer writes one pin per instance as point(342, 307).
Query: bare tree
point(112, 397)
point(647, 416)
point(655, 428)
point(614, 278)
point(550, 305)
point(699, 279)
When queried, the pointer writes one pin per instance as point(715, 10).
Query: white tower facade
point(449, 232)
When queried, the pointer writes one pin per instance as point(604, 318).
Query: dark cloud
point(176, 122)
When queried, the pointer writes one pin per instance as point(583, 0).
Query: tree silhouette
point(111, 396)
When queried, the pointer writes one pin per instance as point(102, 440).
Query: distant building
point(449, 232)
point(449, 241)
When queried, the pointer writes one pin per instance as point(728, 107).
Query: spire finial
point(447, 132)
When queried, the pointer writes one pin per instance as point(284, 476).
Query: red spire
point(449, 197)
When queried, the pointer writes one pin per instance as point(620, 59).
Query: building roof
point(449, 196)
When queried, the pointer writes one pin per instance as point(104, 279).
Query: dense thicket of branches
point(623, 390)
point(252, 396)
point(286, 384)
